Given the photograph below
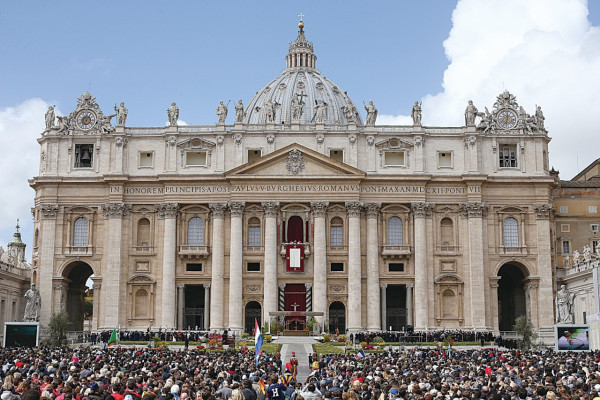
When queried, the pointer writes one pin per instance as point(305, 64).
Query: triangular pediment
point(295, 161)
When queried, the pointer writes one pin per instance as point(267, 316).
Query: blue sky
point(149, 53)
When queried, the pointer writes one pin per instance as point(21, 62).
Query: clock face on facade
point(86, 119)
point(507, 119)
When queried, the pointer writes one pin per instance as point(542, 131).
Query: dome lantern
point(301, 53)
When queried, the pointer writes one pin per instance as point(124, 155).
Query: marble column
point(384, 306)
point(113, 213)
point(46, 257)
point(180, 306)
point(235, 266)
point(420, 211)
point(354, 266)
point(270, 275)
point(206, 306)
point(218, 260)
point(319, 292)
point(409, 304)
point(474, 212)
point(97, 287)
point(374, 322)
point(545, 292)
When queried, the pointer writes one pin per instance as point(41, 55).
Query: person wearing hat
point(294, 363)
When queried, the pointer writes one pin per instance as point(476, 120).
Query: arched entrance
point(75, 297)
point(253, 312)
point(511, 296)
point(337, 317)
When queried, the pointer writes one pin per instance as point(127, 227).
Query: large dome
point(301, 81)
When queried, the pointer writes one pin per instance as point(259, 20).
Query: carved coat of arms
point(295, 162)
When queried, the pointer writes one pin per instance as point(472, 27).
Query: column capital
point(473, 209)
point(167, 210)
point(271, 208)
point(116, 210)
point(308, 286)
point(421, 209)
point(319, 208)
point(49, 210)
point(218, 209)
point(206, 286)
point(410, 286)
point(543, 210)
point(372, 210)
point(181, 286)
point(354, 208)
point(383, 285)
point(282, 286)
point(236, 208)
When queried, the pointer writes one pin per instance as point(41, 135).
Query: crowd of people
point(89, 373)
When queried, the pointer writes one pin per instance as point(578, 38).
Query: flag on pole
point(258, 340)
point(361, 354)
point(113, 338)
point(261, 385)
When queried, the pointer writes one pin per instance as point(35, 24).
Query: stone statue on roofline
point(173, 114)
point(222, 112)
point(416, 113)
point(121, 114)
point(239, 111)
point(470, 113)
point(49, 118)
point(371, 113)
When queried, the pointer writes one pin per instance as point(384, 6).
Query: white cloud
point(545, 52)
point(180, 122)
point(20, 126)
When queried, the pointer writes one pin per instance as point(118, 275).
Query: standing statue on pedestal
point(50, 117)
point(575, 257)
point(222, 112)
point(173, 114)
point(416, 113)
point(587, 253)
point(320, 112)
point(121, 114)
point(34, 305)
point(470, 114)
point(297, 109)
point(564, 306)
point(539, 118)
point(239, 111)
point(371, 113)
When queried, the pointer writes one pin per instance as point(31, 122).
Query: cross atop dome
point(301, 52)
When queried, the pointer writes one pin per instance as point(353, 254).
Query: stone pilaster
point(494, 303)
point(420, 211)
point(474, 212)
point(545, 293)
point(114, 213)
point(354, 266)
point(383, 313)
point(319, 210)
point(180, 305)
point(168, 212)
point(206, 306)
point(46, 257)
point(373, 298)
point(235, 266)
point(218, 260)
point(409, 304)
point(97, 286)
point(270, 275)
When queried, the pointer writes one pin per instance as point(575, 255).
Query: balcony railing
point(513, 250)
point(447, 248)
point(79, 250)
point(142, 250)
point(193, 251)
point(399, 251)
point(254, 249)
point(337, 249)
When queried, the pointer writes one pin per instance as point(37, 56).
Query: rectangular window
point(253, 267)
point(394, 159)
point(146, 159)
point(254, 155)
point(595, 244)
point(593, 210)
point(84, 155)
point(254, 236)
point(564, 209)
point(595, 227)
point(396, 267)
point(337, 154)
point(337, 236)
point(566, 247)
point(444, 159)
point(195, 158)
point(565, 228)
point(508, 156)
point(337, 267)
point(193, 267)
